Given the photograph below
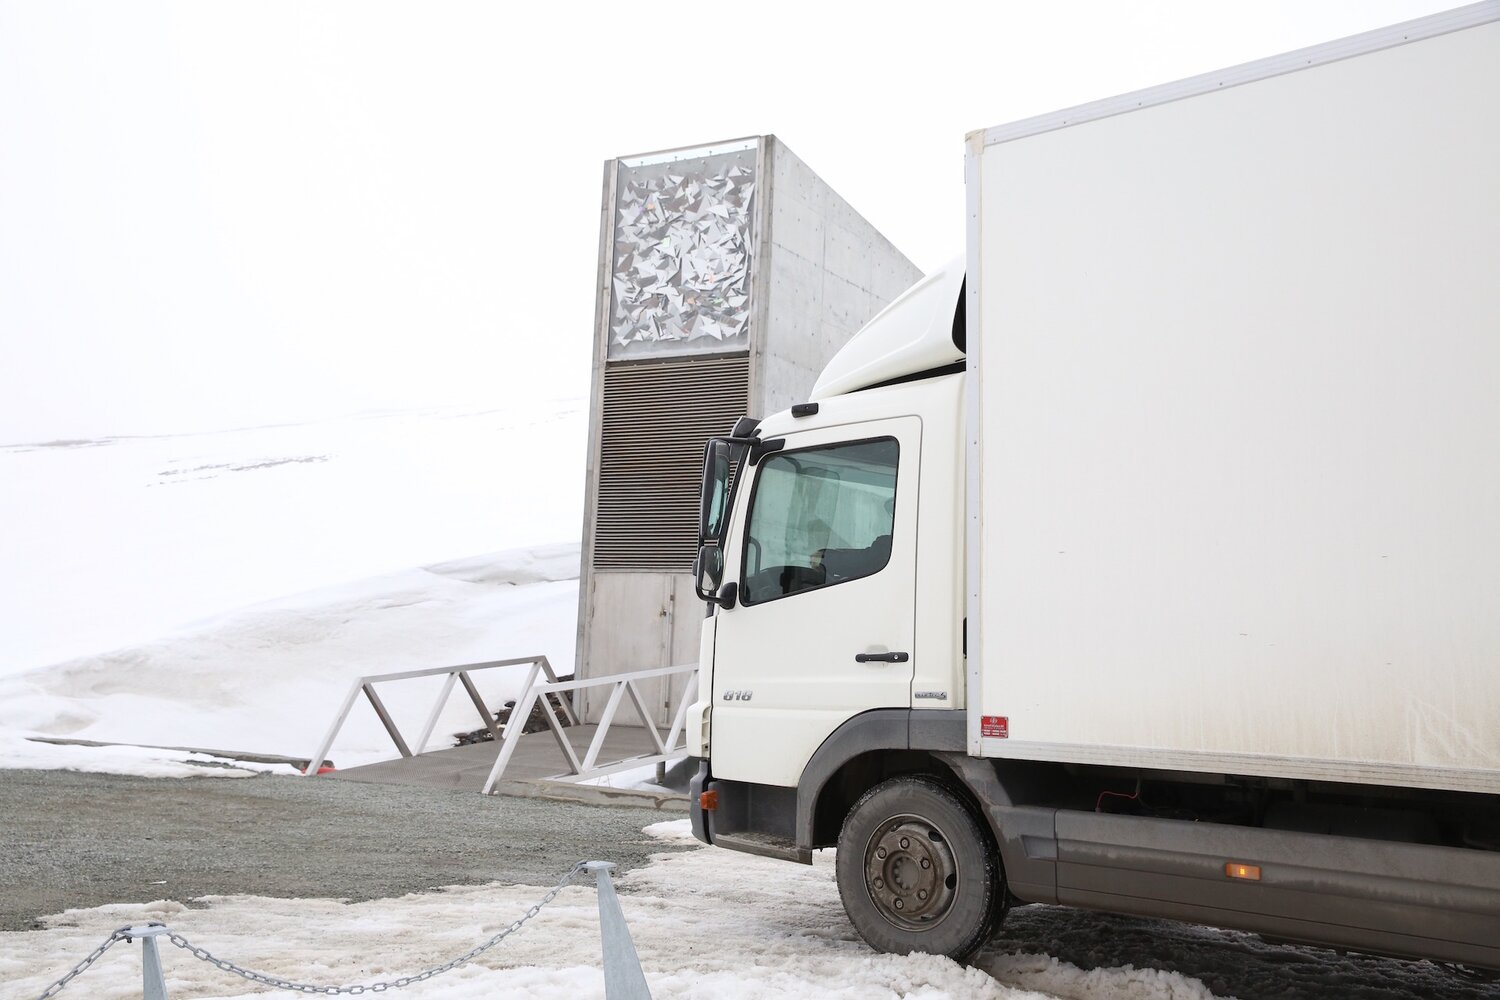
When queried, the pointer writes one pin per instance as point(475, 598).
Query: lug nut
point(921, 893)
point(880, 853)
point(880, 883)
point(905, 843)
point(900, 905)
point(926, 863)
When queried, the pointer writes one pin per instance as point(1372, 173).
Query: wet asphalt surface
point(76, 840)
point(1229, 963)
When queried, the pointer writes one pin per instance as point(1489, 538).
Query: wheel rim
point(910, 872)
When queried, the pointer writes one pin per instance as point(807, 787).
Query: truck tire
point(916, 871)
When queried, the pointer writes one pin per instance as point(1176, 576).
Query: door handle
point(881, 657)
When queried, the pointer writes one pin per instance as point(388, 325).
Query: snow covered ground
point(221, 590)
point(707, 923)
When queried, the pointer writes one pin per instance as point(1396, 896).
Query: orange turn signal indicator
point(1237, 869)
point(709, 800)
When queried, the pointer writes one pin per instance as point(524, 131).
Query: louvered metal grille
point(656, 418)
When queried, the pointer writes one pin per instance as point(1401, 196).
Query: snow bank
point(269, 678)
point(142, 762)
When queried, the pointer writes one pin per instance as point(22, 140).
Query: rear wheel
point(916, 872)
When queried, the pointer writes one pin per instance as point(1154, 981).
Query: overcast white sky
point(214, 214)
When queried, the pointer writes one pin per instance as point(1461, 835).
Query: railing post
point(484, 712)
point(385, 718)
point(153, 982)
point(558, 734)
point(606, 719)
point(437, 710)
point(515, 710)
point(689, 692)
point(645, 714)
point(333, 731)
point(623, 978)
point(509, 739)
point(564, 698)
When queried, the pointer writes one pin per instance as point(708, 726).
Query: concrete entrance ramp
point(537, 760)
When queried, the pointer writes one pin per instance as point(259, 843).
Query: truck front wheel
point(916, 872)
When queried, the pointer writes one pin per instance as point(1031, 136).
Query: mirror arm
point(761, 449)
point(725, 598)
point(756, 448)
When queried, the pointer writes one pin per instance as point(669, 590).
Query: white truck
point(1148, 558)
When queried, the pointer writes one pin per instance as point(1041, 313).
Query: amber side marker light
point(1235, 869)
point(709, 801)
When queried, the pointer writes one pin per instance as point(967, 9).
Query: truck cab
point(823, 604)
point(833, 570)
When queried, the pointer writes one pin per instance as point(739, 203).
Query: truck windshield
point(819, 517)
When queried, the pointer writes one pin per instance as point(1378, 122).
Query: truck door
point(824, 623)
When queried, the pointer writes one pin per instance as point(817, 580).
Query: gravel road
point(74, 840)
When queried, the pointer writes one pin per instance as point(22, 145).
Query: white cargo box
point(1235, 369)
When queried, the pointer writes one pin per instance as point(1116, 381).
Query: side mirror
point(708, 574)
point(715, 499)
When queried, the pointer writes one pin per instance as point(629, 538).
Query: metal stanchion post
point(623, 978)
point(153, 983)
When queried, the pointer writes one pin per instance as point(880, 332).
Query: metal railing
point(624, 685)
point(459, 674)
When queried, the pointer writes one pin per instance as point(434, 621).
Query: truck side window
point(820, 517)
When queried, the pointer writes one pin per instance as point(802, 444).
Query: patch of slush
point(1035, 939)
point(642, 778)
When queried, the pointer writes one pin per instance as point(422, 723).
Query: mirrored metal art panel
point(680, 282)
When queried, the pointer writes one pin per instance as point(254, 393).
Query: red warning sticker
point(995, 726)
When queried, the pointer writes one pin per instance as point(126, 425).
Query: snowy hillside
point(220, 590)
point(118, 540)
point(268, 678)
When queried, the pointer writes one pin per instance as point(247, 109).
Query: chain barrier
point(285, 984)
point(81, 967)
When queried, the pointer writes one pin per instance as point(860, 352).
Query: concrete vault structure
point(728, 275)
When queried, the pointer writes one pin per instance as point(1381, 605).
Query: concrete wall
point(829, 271)
point(638, 621)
